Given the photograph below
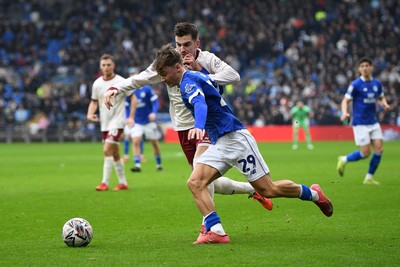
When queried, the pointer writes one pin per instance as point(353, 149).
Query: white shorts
point(236, 149)
point(363, 134)
point(150, 131)
point(127, 130)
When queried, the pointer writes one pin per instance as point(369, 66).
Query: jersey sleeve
point(146, 77)
point(219, 70)
point(350, 91)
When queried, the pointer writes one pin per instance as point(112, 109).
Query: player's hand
point(386, 106)
point(344, 116)
point(190, 63)
point(93, 117)
point(111, 92)
point(196, 134)
point(152, 116)
point(130, 122)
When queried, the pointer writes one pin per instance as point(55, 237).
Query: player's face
point(171, 75)
point(365, 69)
point(186, 45)
point(107, 67)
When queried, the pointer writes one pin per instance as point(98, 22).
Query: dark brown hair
point(185, 28)
point(364, 59)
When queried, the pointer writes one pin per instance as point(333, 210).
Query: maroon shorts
point(112, 136)
point(189, 146)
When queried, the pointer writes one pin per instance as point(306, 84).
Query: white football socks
point(107, 169)
point(119, 168)
point(226, 186)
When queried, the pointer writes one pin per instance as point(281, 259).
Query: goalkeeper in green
point(299, 114)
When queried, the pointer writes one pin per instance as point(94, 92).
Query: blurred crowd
point(284, 50)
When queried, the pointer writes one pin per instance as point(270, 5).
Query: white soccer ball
point(77, 232)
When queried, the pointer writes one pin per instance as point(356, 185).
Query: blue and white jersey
point(364, 94)
point(147, 102)
point(200, 95)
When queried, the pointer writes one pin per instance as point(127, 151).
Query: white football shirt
point(115, 117)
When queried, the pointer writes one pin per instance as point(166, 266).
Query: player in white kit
point(112, 122)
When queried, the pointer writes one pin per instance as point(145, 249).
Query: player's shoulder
point(147, 88)
point(376, 81)
point(357, 82)
point(118, 78)
point(205, 57)
point(98, 81)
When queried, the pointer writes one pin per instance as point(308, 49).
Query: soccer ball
point(77, 232)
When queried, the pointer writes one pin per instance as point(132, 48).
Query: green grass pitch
point(155, 222)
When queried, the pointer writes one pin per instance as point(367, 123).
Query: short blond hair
point(107, 56)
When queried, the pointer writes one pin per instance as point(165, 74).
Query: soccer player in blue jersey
point(232, 146)
point(128, 125)
point(365, 92)
point(145, 116)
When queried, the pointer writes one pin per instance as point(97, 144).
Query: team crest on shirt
point(375, 88)
point(189, 88)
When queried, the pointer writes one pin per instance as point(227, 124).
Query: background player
point(111, 122)
point(127, 128)
point(365, 92)
point(145, 116)
point(300, 114)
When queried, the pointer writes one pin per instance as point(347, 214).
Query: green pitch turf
point(155, 222)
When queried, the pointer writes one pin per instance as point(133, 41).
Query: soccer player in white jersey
point(145, 116)
point(187, 44)
point(365, 92)
point(233, 146)
point(111, 122)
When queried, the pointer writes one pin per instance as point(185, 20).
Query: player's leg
point(127, 141)
point(295, 127)
point(136, 153)
point(306, 128)
point(107, 168)
point(153, 134)
point(198, 181)
point(200, 148)
point(157, 154)
point(253, 166)
point(119, 169)
point(287, 188)
point(137, 136)
point(112, 141)
point(377, 145)
point(142, 158)
point(362, 140)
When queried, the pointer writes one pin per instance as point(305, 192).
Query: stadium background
point(284, 51)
